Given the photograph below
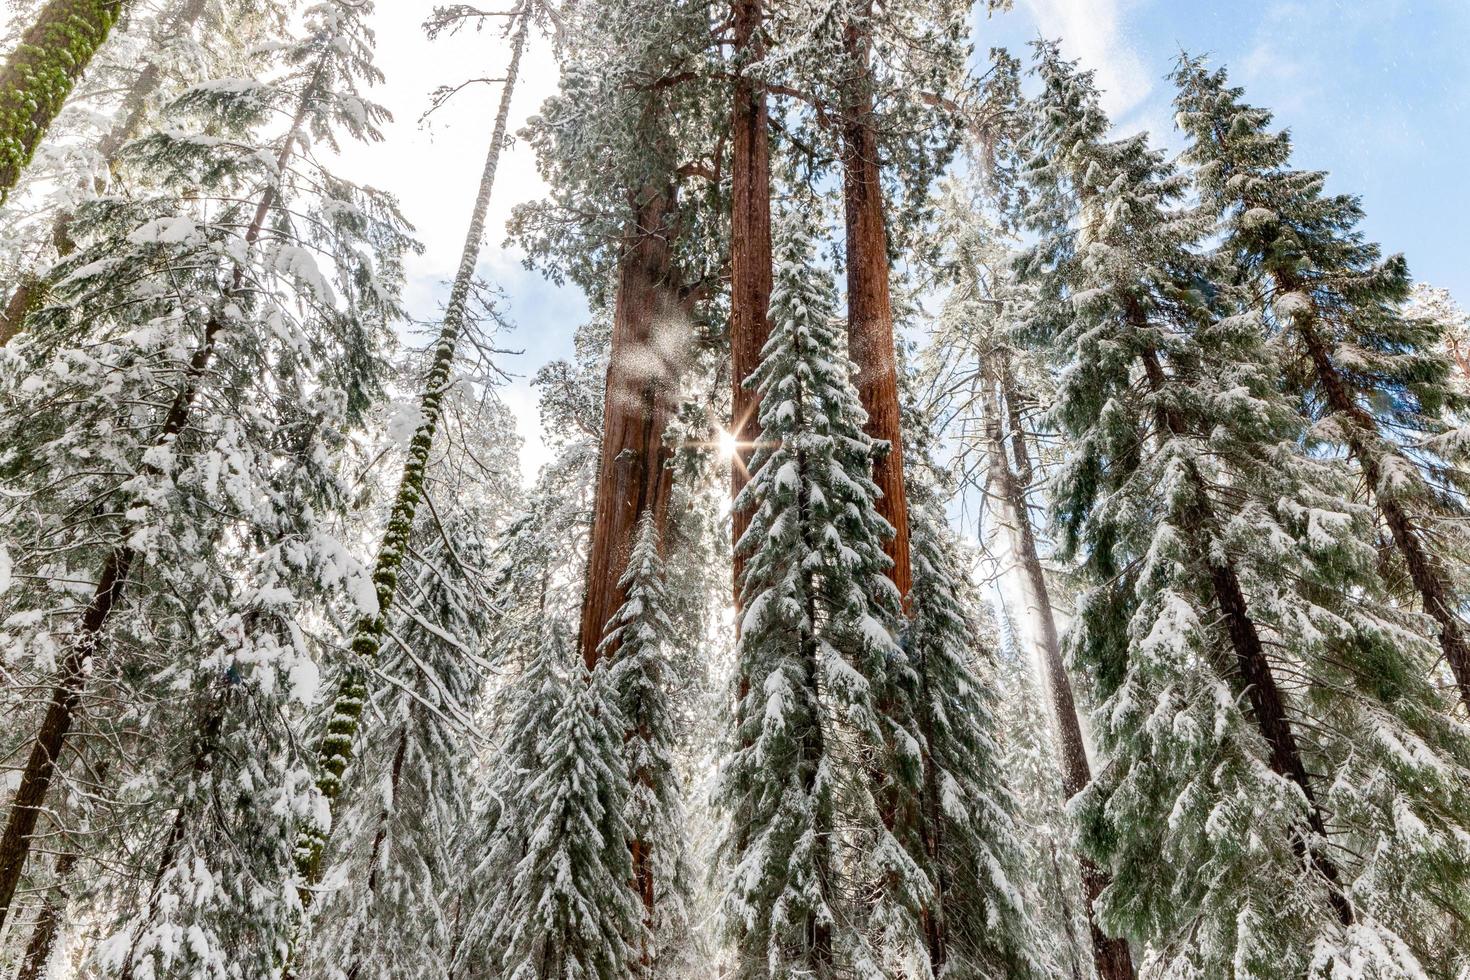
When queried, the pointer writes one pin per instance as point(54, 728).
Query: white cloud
point(1094, 31)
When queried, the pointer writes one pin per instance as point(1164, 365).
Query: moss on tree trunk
point(41, 72)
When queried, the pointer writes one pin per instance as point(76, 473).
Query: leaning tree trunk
point(1111, 956)
point(29, 293)
point(334, 753)
point(642, 382)
point(1374, 456)
point(750, 254)
point(35, 781)
point(1253, 676)
point(40, 73)
point(869, 304)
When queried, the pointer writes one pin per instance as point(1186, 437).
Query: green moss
point(40, 75)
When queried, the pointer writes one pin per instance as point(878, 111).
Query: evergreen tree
point(1000, 383)
point(972, 851)
point(817, 884)
point(566, 911)
point(1248, 811)
point(154, 56)
point(641, 633)
point(1375, 382)
point(382, 913)
point(225, 332)
point(1450, 322)
point(335, 750)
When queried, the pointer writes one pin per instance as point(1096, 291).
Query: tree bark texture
point(869, 304)
point(41, 72)
point(750, 253)
point(642, 388)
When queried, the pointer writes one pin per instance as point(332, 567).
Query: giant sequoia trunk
point(40, 73)
point(750, 252)
point(1374, 457)
point(642, 384)
point(1011, 477)
point(30, 291)
point(633, 474)
point(1252, 675)
point(334, 754)
point(869, 305)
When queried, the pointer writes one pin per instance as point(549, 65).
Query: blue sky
point(1377, 92)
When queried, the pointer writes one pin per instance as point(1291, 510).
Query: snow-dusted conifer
point(1255, 830)
point(382, 913)
point(972, 851)
point(567, 911)
point(221, 332)
point(335, 750)
point(817, 885)
point(638, 638)
point(1376, 382)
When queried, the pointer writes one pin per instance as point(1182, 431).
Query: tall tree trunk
point(634, 476)
point(1368, 447)
point(869, 304)
point(750, 252)
point(334, 753)
point(30, 292)
point(40, 73)
point(642, 380)
point(15, 843)
point(1110, 955)
point(48, 923)
point(1252, 675)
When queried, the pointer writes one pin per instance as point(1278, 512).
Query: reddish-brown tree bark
point(869, 303)
point(642, 383)
point(750, 252)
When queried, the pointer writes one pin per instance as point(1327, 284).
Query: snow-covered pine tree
point(382, 913)
point(1251, 811)
point(567, 911)
point(334, 752)
point(1051, 877)
point(1451, 323)
point(196, 330)
point(978, 924)
point(154, 55)
point(39, 75)
point(817, 884)
point(641, 634)
point(1375, 382)
point(1000, 383)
